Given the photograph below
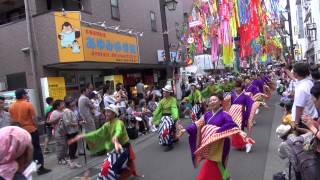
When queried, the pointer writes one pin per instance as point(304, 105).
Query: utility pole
point(290, 29)
point(165, 38)
point(34, 67)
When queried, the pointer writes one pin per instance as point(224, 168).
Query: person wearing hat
point(283, 130)
point(209, 90)
point(165, 116)
point(228, 85)
point(15, 153)
point(113, 138)
point(23, 114)
point(195, 98)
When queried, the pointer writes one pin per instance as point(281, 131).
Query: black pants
point(37, 153)
point(72, 147)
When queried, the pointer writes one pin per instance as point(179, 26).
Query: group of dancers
point(220, 120)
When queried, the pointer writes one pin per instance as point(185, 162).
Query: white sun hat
point(113, 108)
point(283, 130)
point(167, 88)
point(194, 84)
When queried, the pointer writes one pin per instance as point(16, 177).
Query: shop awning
point(103, 66)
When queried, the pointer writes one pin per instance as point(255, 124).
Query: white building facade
point(305, 20)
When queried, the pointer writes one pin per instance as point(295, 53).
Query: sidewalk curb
point(273, 162)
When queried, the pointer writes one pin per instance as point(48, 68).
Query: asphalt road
point(176, 165)
point(155, 164)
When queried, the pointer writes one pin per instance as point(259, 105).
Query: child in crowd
point(139, 116)
point(96, 101)
point(48, 110)
point(147, 116)
point(287, 117)
point(59, 131)
point(131, 121)
point(152, 105)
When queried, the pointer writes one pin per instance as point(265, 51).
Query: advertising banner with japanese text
point(103, 46)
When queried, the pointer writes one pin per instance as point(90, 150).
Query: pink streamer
point(214, 49)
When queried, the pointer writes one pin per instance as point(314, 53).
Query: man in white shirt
point(108, 98)
point(140, 89)
point(85, 110)
point(302, 104)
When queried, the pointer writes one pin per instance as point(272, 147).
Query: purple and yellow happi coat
point(252, 89)
point(208, 138)
point(249, 107)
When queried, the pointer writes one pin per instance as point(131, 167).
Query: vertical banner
point(68, 33)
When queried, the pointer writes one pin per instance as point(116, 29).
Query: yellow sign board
point(115, 79)
point(106, 46)
point(69, 38)
point(57, 87)
point(78, 43)
point(297, 51)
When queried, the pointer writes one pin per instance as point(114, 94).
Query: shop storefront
point(89, 54)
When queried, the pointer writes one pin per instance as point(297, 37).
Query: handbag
point(279, 176)
point(133, 132)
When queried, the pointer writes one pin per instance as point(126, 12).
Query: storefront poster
point(115, 79)
point(68, 33)
point(53, 87)
point(103, 46)
point(57, 87)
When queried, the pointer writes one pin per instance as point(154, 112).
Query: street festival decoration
point(238, 30)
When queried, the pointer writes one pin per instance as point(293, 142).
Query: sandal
point(62, 162)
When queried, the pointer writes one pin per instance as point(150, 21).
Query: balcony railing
point(312, 31)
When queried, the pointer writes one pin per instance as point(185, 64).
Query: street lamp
point(171, 5)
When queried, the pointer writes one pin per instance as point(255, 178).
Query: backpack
point(307, 163)
point(132, 131)
point(47, 119)
point(280, 90)
point(279, 176)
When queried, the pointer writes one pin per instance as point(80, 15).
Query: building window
point(68, 5)
point(115, 13)
point(185, 17)
point(153, 21)
point(16, 80)
point(12, 15)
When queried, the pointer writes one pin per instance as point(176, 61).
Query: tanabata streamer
point(214, 24)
